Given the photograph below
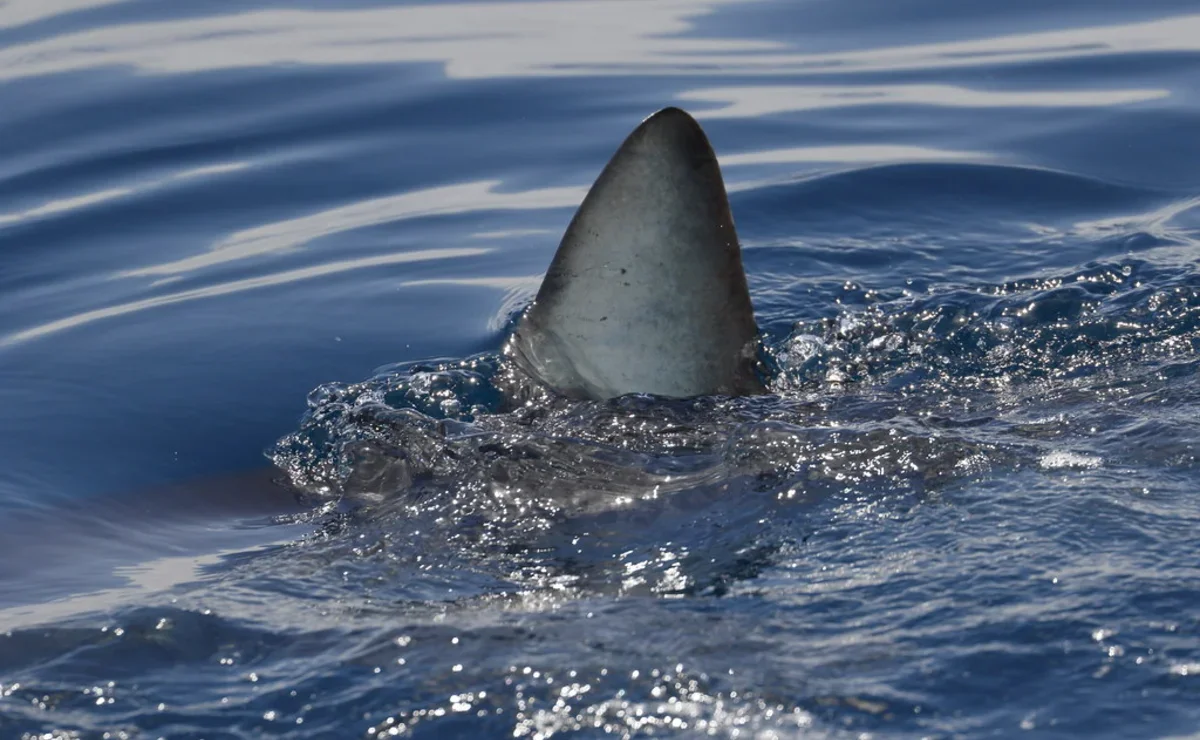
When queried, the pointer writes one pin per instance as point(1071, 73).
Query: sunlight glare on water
point(965, 508)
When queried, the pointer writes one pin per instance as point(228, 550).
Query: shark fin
point(646, 293)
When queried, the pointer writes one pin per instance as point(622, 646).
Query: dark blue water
point(968, 508)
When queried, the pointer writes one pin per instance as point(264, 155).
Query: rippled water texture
point(968, 507)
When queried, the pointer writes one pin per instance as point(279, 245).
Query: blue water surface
point(967, 509)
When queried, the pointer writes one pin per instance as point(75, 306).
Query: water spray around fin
point(646, 293)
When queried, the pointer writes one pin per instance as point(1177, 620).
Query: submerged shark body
point(646, 293)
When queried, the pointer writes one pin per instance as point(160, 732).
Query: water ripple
point(966, 508)
point(236, 286)
point(489, 40)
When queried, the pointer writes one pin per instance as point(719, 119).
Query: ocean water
point(243, 245)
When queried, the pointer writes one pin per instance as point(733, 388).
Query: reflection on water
point(236, 286)
point(472, 40)
point(295, 232)
point(66, 205)
point(493, 40)
point(1157, 223)
point(141, 580)
point(15, 13)
point(1178, 34)
point(965, 511)
point(852, 154)
point(751, 101)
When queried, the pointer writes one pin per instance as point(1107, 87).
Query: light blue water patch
point(966, 508)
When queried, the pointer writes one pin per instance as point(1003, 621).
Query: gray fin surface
point(646, 293)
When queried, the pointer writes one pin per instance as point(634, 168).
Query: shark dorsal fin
point(646, 293)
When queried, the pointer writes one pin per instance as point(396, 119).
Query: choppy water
point(967, 509)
